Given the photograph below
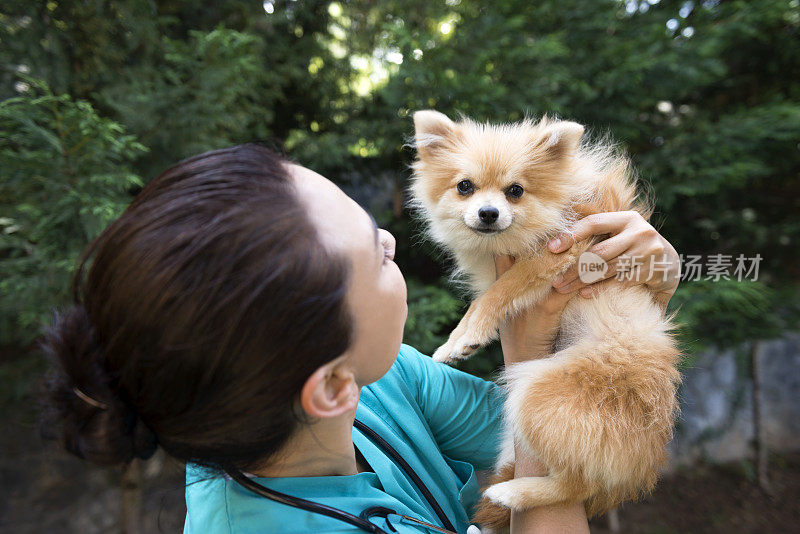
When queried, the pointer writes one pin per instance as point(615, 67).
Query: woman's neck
point(322, 448)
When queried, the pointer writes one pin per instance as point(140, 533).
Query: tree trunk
point(759, 432)
point(613, 520)
point(131, 499)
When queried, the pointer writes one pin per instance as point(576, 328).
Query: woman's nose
point(388, 238)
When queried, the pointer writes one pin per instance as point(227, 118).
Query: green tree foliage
point(208, 91)
point(65, 175)
point(430, 310)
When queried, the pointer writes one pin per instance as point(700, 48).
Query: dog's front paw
point(464, 347)
point(444, 353)
point(478, 334)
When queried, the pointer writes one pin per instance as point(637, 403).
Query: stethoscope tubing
point(303, 504)
point(409, 471)
point(335, 513)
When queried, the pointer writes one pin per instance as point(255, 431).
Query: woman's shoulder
point(410, 359)
point(408, 376)
point(206, 504)
point(412, 365)
point(417, 374)
point(410, 362)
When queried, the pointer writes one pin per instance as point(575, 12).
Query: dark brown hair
point(208, 304)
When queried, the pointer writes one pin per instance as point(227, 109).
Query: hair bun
point(83, 410)
point(144, 440)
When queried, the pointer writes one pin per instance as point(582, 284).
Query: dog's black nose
point(488, 214)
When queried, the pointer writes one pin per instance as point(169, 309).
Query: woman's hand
point(531, 334)
point(635, 253)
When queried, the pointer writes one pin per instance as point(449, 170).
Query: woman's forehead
point(339, 218)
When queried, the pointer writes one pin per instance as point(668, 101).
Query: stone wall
point(716, 423)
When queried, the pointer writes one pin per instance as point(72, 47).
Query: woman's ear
point(329, 392)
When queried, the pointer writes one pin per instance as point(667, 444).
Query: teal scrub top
point(444, 422)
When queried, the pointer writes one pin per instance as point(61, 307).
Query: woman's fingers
point(596, 224)
point(635, 251)
point(608, 249)
point(659, 273)
point(616, 267)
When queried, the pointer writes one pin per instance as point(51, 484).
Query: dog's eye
point(515, 191)
point(464, 187)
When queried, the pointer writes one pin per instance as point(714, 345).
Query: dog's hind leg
point(490, 515)
point(529, 492)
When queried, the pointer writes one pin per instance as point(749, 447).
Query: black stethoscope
point(361, 521)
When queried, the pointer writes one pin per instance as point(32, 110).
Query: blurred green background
point(97, 97)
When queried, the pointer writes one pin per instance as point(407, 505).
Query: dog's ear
point(431, 131)
point(561, 139)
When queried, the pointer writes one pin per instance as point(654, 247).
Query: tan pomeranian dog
point(599, 411)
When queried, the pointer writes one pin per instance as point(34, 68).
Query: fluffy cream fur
point(600, 410)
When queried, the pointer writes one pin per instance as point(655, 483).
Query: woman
point(242, 312)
